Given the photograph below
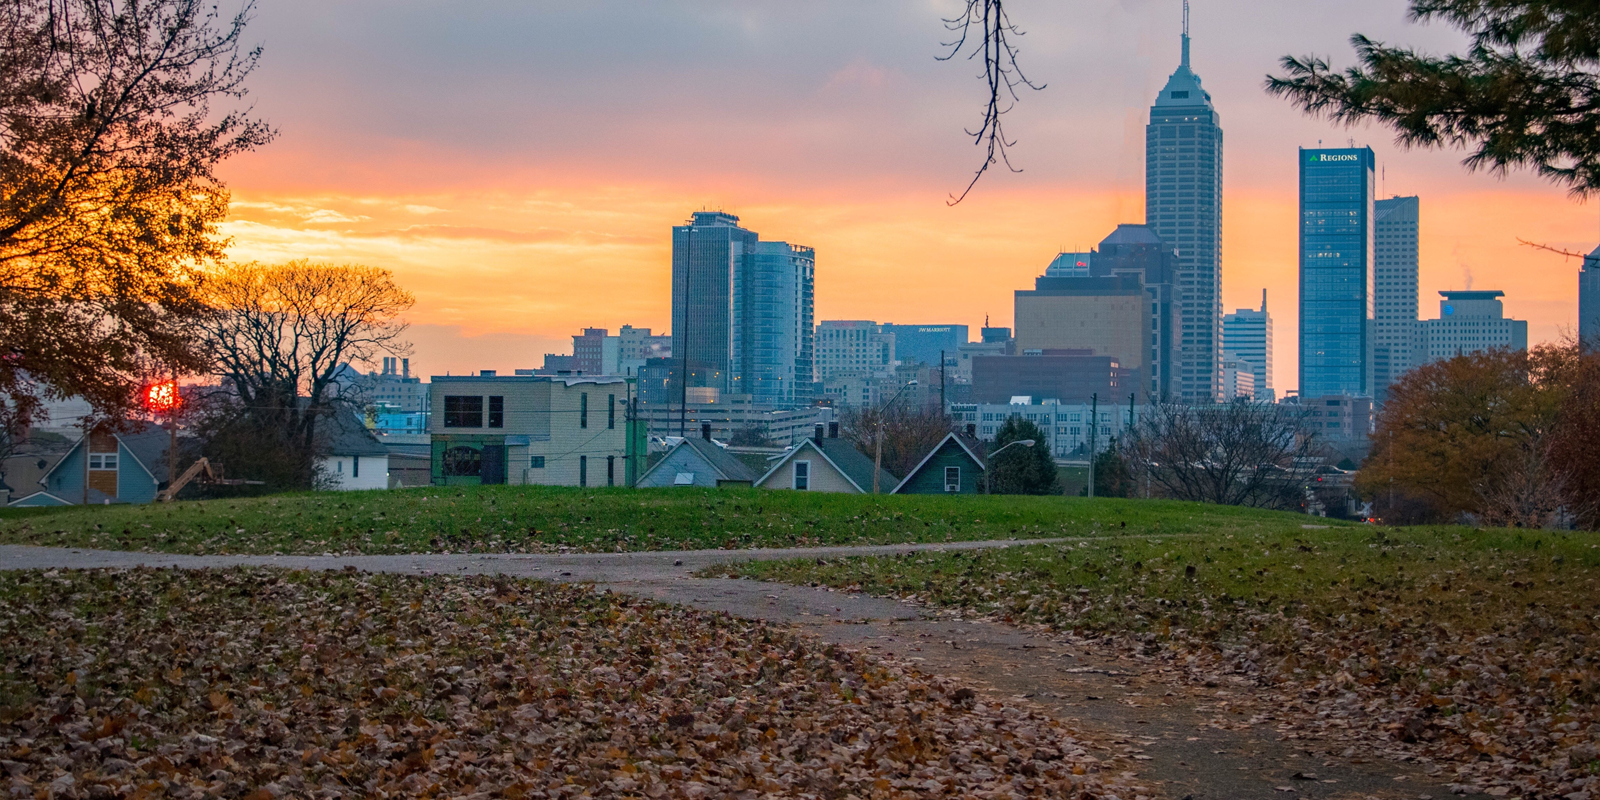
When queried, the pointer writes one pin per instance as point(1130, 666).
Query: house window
point(355, 466)
point(952, 479)
point(497, 412)
point(583, 469)
point(536, 462)
point(338, 465)
point(611, 411)
point(802, 475)
point(611, 470)
point(102, 461)
point(583, 410)
point(461, 411)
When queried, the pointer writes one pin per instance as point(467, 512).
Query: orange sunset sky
point(518, 165)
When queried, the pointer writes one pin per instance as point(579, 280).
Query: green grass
point(528, 519)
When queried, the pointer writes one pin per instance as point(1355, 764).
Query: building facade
point(1109, 317)
point(393, 387)
point(1066, 376)
point(924, 343)
point(1238, 378)
point(1183, 205)
point(1336, 255)
point(853, 346)
point(1470, 321)
point(1394, 289)
point(525, 429)
point(706, 254)
point(1072, 429)
point(1247, 335)
point(773, 335)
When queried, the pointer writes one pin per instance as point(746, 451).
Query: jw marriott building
point(1183, 205)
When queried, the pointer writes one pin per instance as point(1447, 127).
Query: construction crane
point(207, 474)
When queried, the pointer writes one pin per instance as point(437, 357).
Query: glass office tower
point(773, 334)
point(1183, 205)
point(705, 254)
point(1336, 277)
point(1394, 280)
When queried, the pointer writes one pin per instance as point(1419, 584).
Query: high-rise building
point(1238, 378)
point(1470, 321)
point(741, 311)
point(1394, 289)
point(1247, 334)
point(705, 255)
point(853, 346)
point(773, 333)
point(915, 344)
point(1336, 292)
point(1589, 300)
point(1183, 204)
point(595, 353)
point(1107, 317)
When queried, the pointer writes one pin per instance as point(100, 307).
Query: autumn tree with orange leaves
point(1507, 438)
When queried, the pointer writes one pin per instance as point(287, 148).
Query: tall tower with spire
point(1183, 204)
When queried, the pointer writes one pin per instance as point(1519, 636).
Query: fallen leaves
point(267, 684)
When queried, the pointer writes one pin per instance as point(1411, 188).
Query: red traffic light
point(161, 396)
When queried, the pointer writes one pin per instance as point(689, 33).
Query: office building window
point(802, 475)
point(497, 412)
point(583, 470)
point(611, 411)
point(536, 462)
point(611, 470)
point(461, 411)
point(583, 410)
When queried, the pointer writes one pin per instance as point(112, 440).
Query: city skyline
point(516, 235)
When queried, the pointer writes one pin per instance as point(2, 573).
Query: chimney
point(833, 430)
point(972, 431)
point(705, 431)
point(405, 367)
point(817, 434)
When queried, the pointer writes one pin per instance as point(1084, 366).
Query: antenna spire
point(1185, 33)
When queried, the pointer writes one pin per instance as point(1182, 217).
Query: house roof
point(726, 466)
point(146, 441)
point(960, 442)
point(343, 434)
point(845, 458)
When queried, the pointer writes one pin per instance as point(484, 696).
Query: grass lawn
point(1480, 647)
point(260, 684)
point(529, 519)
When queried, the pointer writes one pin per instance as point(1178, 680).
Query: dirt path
point(1162, 733)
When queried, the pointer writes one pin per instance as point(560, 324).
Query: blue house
point(698, 462)
point(952, 467)
point(106, 467)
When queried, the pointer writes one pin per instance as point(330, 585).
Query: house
point(350, 457)
point(106, 467)
point(699, 462)
point(555, 430)
point(830, 464)
point(954, 466)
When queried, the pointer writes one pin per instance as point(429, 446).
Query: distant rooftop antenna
point(1185, 33)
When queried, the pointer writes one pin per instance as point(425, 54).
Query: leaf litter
point(266, 683)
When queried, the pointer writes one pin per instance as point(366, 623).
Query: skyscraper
point(1183, 204)
point(773, 335)
point(1247, 335)
point(741, 310)
point(1589, 300)
point(1394, 316)
point(1336, 292)
point(1469, 322)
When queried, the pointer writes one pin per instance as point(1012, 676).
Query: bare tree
point(108, 198)
point(908, 434)
point(1239, 453)
point(1528, 492)
point(1001, 76)
point(282, 332)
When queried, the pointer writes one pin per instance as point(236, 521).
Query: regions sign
point(1331, 158)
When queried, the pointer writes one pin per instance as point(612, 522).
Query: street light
point(877, 458)
point(988, 469)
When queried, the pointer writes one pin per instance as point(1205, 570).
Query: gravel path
point(1144, 726)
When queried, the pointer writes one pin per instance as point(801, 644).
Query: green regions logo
point(1332, 158)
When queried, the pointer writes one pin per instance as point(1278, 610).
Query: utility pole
point(1094, 425)
point(683, 378)
point(943, 409)
point(172, 446)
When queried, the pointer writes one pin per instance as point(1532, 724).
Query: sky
point(518, 165)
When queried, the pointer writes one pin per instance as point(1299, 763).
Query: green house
point(952, 467)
